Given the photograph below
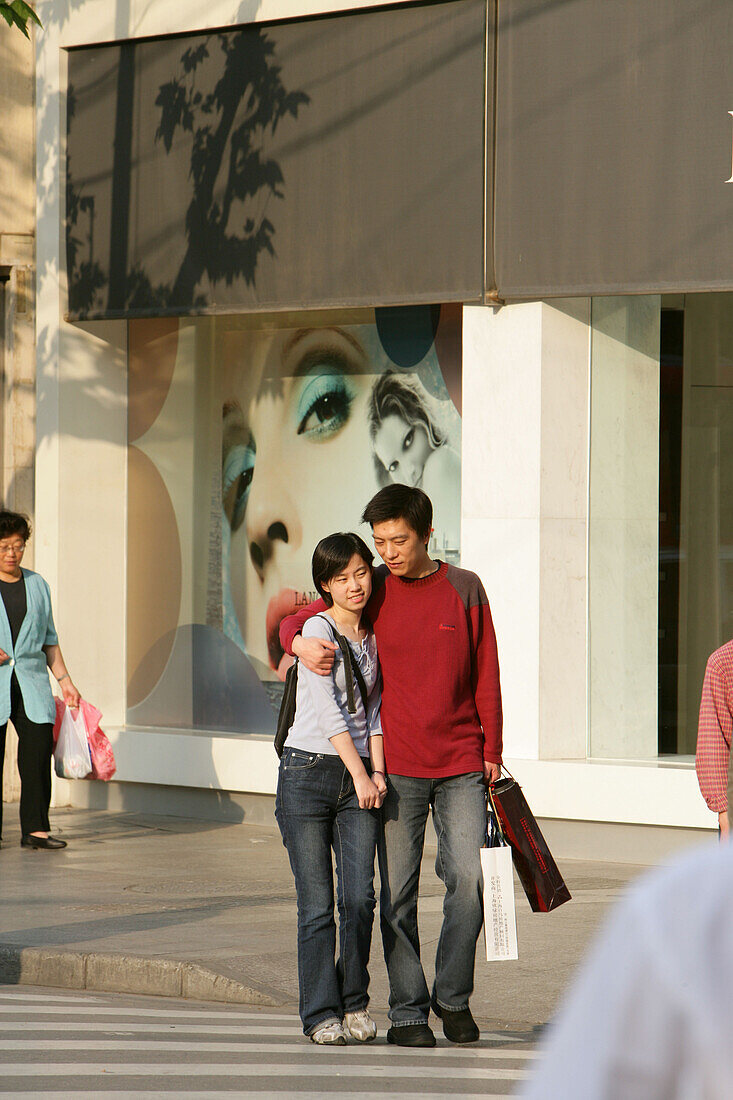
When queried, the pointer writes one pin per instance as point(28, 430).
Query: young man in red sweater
point(442, 723)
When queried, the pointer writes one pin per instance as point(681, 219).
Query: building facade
point(17, 294)
point(256, 221)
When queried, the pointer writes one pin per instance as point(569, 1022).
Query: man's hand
point(723, 823)
point(315, 653)
point(380, 783)
point(492, 772)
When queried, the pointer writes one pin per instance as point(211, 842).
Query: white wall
point(564, 353)
point(525, 432)
point(624, 528)
point(500, 530)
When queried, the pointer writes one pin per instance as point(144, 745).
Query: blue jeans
point(458, 804)
point(317, 810)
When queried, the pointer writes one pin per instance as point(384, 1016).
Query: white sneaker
point(329, 1034)
point(360, 1026)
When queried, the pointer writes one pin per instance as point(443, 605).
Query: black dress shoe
point(28, 840)
point(460, 1026)
point(411, 1035)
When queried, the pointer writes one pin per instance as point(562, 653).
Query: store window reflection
point(660, 517)
point(705, 606)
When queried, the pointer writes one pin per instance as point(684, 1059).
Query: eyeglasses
point(17, 548)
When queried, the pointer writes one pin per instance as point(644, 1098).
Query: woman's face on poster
point(402, 448)
point(296, 465)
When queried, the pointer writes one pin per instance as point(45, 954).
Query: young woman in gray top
point(330, 788)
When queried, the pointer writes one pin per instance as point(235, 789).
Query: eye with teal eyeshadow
point(239, 468)
point(324, 404)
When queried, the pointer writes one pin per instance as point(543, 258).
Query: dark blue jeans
point(318, 811)
point(458, 804)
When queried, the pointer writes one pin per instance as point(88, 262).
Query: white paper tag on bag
point(500, 918)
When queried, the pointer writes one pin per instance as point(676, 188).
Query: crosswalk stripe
point(30, 997)
point(182, 1030)
point(109, 1045)
point(171, 1014)
point(245, 1030)
point(176, 1094)
point(215, 1069)
point(178, 1013)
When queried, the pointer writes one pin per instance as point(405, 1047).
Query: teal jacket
point(27, 659)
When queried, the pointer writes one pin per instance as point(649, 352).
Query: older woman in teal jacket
point(29, 646)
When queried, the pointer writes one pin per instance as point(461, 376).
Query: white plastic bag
point(500, 918)
point(72, 759)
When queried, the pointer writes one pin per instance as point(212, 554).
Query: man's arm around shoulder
point(315, 653)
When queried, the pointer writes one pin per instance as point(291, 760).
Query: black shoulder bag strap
point(352, 670)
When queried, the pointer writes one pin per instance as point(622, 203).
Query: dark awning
point(613, 147)
point(394, 156)
point(327, 162)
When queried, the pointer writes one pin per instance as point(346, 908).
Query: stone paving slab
point(179, 907)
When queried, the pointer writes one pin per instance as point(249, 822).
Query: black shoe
point(411, 1035)
point(28, 840)
point(459, 1027)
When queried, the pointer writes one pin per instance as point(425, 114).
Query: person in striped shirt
point(714, 733)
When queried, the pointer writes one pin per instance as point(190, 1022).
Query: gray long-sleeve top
point(320, 709)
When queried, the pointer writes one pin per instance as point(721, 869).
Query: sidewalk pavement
point(179, 907)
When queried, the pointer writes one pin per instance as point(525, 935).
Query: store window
point(704, 619)
point(660, 517)
point(249, 440)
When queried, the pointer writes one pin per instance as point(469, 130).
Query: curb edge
point(109, 973)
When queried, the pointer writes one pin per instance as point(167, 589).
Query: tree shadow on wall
point(86, 277)
point(232, 179)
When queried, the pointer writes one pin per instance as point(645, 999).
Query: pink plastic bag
point(103, 759)
point(100, 750)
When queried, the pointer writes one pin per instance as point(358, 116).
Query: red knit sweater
point(441, 701)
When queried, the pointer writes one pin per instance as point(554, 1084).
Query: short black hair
point(405, 502)
point(14, 523)
point(332, 555)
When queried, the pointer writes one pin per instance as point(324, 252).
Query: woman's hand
point(72, 698)
point(4, 656)
point(367, 793)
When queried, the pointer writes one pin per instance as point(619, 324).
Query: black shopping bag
point(543, 884)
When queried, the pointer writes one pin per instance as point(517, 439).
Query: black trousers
point(35, 746)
